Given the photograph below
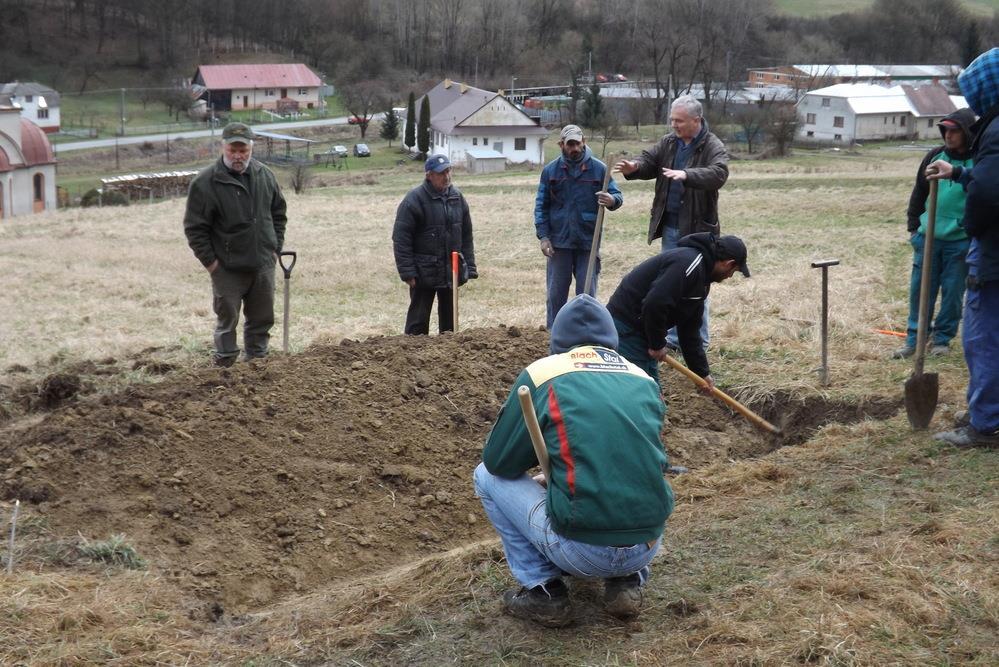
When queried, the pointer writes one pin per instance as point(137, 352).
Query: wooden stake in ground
point(531, 420)
point(597, 230)
point(454, 289)
point(824, 368)
point(13, 532)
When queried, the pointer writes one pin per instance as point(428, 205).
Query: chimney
point(464, 88)
point(447, 83)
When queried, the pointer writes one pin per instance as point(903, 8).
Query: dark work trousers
point(563, 266)
point(254, 291)
point(421, 300)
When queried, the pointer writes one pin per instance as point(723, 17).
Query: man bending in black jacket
point(668, 290)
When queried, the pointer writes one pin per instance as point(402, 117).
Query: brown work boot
point(623, 596)
point(547, 604)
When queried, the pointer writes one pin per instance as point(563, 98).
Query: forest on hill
point(74, 45)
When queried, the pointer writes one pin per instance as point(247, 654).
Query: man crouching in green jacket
point(601, 513)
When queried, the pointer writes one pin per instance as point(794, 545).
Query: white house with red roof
point(271, 86)
point(27, 166)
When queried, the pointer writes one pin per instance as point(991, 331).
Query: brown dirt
point(249, 483)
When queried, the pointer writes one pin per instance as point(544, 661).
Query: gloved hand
point(546, 248)
point(472, 273)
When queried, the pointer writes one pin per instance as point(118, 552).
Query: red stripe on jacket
point(563, 440)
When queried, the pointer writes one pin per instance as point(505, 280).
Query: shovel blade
point(921, 399)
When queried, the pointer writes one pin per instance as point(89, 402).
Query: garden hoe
point(921, 389)
point(287, 288)
point(597, 230)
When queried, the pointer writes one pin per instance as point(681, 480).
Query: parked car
point(601, 78)
point(361, 150)
point(355, 120)
point(620, 77)
point(339, 151)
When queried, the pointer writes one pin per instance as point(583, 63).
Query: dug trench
point(272, 478)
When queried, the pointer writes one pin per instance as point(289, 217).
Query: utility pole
point(122, 130)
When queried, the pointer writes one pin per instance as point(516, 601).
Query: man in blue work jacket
point(565, 214)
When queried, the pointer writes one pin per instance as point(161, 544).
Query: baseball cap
point(571, 133)
point(237, 133)
point(732, 247)
point(437, 163)
point(948, 122)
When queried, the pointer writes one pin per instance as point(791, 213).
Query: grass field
point(870, 544)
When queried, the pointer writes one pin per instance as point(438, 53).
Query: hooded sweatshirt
point(950, 195)
point(600, 417)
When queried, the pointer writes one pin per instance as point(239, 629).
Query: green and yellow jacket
point(600, 416)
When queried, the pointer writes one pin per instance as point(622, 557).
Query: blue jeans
point(671, 235)
point(563, 266)
point(948, 271)
point(981, 352)
point(535, 553)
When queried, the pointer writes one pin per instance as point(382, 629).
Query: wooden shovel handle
point(598, 227)
point(722, 396)
point(531, 420)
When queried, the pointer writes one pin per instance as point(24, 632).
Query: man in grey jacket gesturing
point(690, 165)
point(234, 223)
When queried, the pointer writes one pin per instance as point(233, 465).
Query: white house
point(269, 86)
point(849, 112)
point(463, 117)
point(27, 166)
point(38, 103)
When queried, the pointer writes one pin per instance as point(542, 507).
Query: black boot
point(547, 604)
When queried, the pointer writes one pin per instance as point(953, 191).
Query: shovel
point(287, 288)
point(725, 398)
point(534, 429)
point(921, 389)
point(597, 229)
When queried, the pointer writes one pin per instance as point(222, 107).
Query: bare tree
point(362, 100)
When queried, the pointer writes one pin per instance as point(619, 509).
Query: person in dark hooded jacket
point(668, 290)
point(979, 84)
point(601, 512)
point(950, 243)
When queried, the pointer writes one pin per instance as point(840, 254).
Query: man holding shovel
point(565, 214)
point(980, 86)
point(669, 290)
point(432, 222)
point(950, 243)
point(600, 512)
point(234, 223)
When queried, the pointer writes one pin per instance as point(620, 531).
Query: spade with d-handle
point(922, 389)
point(287, 288)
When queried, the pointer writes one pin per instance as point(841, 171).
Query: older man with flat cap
point(565, 214)
point(234, 223)
point(432, 222)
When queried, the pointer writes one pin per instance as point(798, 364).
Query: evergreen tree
point(593, 108)
point(390, 126)
point(410, 135)
point(423, 128)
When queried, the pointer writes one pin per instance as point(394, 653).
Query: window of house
point(929, 122)
point(886, 120)
point(810, 119)
point(475, 141)
point(520, 144)
point(893, 120)
point(776, 77)
point(810, 133)
point(902, 121)
point(29, 98)
point(825, 101)
point(269, 92)
point(39, 182)
point(43, 113)
point(485, 141)
point(837, 121)
point(303, 91)
point(838, 137)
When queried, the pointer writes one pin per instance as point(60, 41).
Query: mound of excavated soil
point(247, 483)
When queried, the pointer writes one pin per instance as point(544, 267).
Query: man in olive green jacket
point(234, 223)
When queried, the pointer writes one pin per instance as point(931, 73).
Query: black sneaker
point(547, 604)
point(623, 596)
point(968, 436)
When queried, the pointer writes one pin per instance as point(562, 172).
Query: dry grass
point(867, 545)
